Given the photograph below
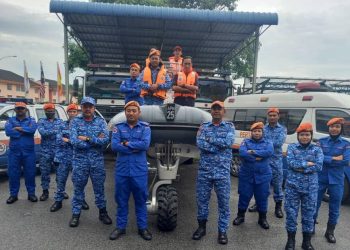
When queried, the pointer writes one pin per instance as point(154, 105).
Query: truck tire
point(167, 208)
point(235, 165)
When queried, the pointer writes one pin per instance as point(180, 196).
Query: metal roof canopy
point(123, 34)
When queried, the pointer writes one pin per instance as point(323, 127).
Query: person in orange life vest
point(154, 80)
point(131, 87)
point(186, 84)
point(147, 59)
point(176, 61)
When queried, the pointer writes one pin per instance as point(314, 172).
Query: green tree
point(77, 57)
point(241, 65)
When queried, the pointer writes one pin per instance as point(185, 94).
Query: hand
point(101, 135)
point(19, 129)
point(251, 151)
point(182, 85)
point(153, 87)
point(83, 138)
point(338, 158)
point(258, 158)
point(310, 164)
point(65, 139)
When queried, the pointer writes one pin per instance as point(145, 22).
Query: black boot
point(253, 208)
point(240, 218)
point(201, 230)
point(32, 198)
point(291, 241)
point(56, 206)
point(330, 233)
point(45, 195)
point(84, 205)
point(307, 242)
point(145, 234)
point(104, 217)
point(12, 199)
point(116, 233)
point(74, 222)
point(262, 220)
point(222, 238)
point(278, 209)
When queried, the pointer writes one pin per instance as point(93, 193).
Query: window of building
point(9, 95)
point(18, 88)
point(36, 91)
point(9, 87)
point(290, 118)
point(323, 116)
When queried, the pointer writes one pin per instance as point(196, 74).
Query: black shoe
point(85, 206)
point(145, 234)
point(45, 195)
point(307, 242)
point(32, 198)
point(65, 196)
point(104, 217)
point(262, 220)
point(253, 208)
point(56, 206)
point(291, 241)
point(278, 209)
point(201, 230)
point(330, 233)
point(12, 199)
point(74, 222)
point(116, 234)
point(222, 238)
point(240, 218)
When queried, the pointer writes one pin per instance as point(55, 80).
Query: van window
point(6, 115)
point(290, 118)
point(40, 113)
point(323, 116)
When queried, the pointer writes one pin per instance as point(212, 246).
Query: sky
point(311, 39)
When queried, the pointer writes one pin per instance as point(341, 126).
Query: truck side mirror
point(75, 87)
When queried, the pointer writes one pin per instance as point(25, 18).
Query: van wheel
point(345, 193)
point(235, 165)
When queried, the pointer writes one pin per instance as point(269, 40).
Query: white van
point(295, 108)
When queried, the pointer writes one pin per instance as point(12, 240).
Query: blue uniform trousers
point(335, 192)
point(124, 186)
point(46, 163)
point(62, 173)
point(276, 165)
point(80, 176)
point(260, 191)
point(16, 160)
point(222, 187)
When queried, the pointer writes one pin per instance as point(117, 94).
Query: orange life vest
point(147, 77)
point(176, 66)
point(183, 79)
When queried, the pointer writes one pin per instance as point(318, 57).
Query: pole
point(256, 48)
point(66, 69)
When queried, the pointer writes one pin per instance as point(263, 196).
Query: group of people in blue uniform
point(77, 145)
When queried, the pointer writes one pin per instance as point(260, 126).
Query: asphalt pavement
point(26, 225)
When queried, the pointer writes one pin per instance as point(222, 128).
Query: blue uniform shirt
point(214, 143)
point(300, 175)
point(131, 160)
point(132, 89)
point(277, 135)
point(21, 140)
point(48, 131)
point(333, 171)
point(255, 167)
point(96, 130)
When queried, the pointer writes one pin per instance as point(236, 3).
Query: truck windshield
point(214, 89)
point(104, 87)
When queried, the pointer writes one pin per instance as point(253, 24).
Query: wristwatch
point(87, 139)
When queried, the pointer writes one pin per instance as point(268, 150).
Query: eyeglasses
point(20, 108)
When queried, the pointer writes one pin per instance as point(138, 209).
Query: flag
point(42, 81)
point(26, 78)
point(59, 83)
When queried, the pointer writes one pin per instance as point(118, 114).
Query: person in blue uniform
point(131, 86)
point(255, 174)
point(21, 129)
point(336, 152)
point(89, 136)
point(276, 133)
point(304, 161)
point(131, 140)
point(63, 157)
point(214, 140)
point(48, 128)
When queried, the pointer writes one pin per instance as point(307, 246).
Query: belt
point(300, 170)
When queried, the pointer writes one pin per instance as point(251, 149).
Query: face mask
point(50, 115)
